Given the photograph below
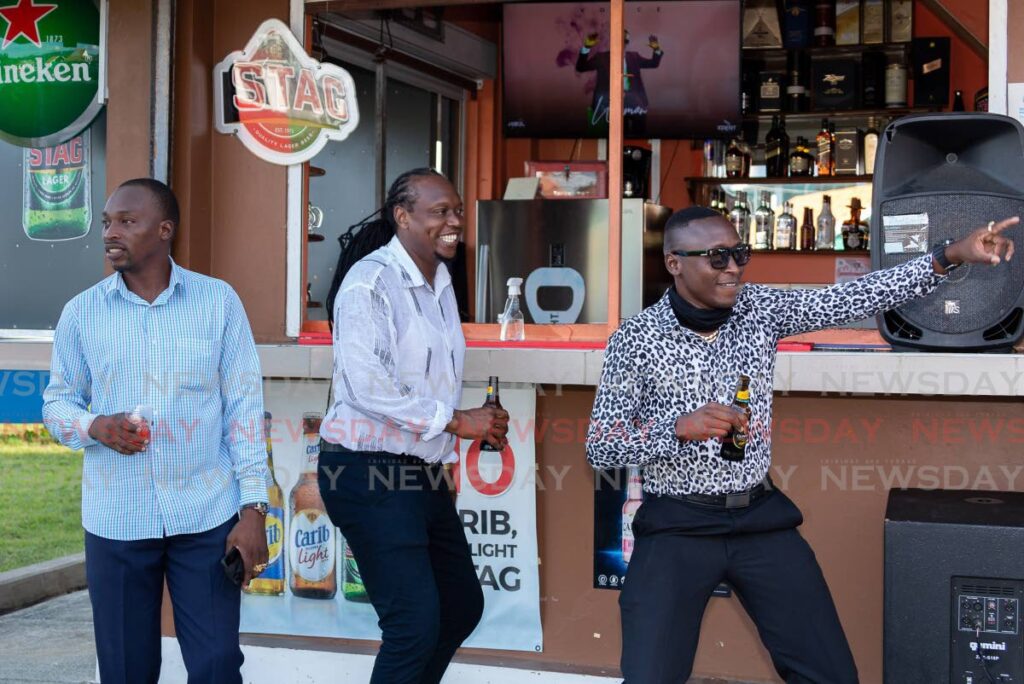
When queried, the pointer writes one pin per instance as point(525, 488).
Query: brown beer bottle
point(735, 443)
point(492, 400)
point(311, 539)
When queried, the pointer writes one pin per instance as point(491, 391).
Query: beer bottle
point(634, 497)
point(735, 443)
point(491, 400)
point(352, 587)
point(270, 582)
point(56, 191)
point(311, 541)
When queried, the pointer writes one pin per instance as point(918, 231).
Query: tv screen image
point(681, 72)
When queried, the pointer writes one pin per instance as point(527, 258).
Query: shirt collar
point(411, 274)
point(117, 284)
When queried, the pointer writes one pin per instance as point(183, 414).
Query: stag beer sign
point(281, 103)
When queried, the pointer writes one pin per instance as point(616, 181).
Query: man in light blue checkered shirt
point(169, 490)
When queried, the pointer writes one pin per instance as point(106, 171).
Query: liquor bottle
point(734, 161)
point(797, 100)
point(776, 155)
point(56, 194)
point(801, 161)
point(764, 223)
point(807, 236)
point(492, 400)
point(854, 230)
point(870, 145)
point(825, 159)
point(734, 444)
point(785, 228)
point(825, 23)
point(270, 582)
point(826, 225)
point(634, 497)
point(352, 587)
point(739, 217)
point(958, 101)
point(713, 202)
point(311, 533)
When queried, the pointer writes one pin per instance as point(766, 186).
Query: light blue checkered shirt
point(189, 355)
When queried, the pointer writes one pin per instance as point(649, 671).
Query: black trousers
point(398, 517)
point(684, 550)
point(126, 587)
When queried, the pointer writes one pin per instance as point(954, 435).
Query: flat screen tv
point(681, 72)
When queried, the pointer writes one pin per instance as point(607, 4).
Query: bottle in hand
point(734, 444)
point(492, 400)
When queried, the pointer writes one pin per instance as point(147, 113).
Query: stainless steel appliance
point(560, 249)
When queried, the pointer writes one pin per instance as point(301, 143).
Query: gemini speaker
point(938, 177)
point(954, 586)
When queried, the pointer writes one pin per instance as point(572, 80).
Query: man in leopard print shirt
point(663, 404)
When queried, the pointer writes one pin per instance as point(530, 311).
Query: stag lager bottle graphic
point(271, 581)
point(352, 582)
point(57, 190)
point(311, 534)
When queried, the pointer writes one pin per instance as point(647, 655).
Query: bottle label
point(800, 165)
point(628, 541)
point(275, 542)
point(770, 91)
point(739, 439)
point(312, 554)
point(734, 164)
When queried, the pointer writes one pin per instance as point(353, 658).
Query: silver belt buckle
point(737, 500)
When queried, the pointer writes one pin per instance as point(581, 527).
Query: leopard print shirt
point(656, 370)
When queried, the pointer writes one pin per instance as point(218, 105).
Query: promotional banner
point(617, 496)
point(312, 586)
point(52, 64)
point(57, 190)
point(281, 103)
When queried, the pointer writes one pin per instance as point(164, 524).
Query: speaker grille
point(974, 297)
point(987, 590)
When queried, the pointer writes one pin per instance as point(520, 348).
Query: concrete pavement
point(50, 642)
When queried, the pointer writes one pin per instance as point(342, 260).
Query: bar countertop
point(833, 372)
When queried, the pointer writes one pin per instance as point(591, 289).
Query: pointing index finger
point(1004, 224)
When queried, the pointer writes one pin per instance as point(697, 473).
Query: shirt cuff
point(252, 490)
point(442, 417)
point(83, 424)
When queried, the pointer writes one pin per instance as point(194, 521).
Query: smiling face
point(135, 234)
point(695, 280)
point(431, 227)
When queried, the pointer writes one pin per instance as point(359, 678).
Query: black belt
point(385, 458)
point(731, 500)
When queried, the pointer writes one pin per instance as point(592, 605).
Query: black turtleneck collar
point(699, 320)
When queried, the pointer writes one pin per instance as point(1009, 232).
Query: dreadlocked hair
point(374, 231)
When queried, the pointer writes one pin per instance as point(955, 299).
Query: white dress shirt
point(398, 355)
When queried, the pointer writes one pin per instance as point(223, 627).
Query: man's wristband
point(939, 254)
point(260, 508)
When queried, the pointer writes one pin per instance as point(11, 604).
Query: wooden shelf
point(811, 252)
point(798, 180)
point(840, 114)
point(830, 51)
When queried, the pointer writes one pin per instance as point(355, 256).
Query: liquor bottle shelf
point(811, 252)
point(830, 51)
point(839, 114)
point(841, 181)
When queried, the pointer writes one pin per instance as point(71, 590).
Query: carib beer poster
point(312, 586)
point(618, 494)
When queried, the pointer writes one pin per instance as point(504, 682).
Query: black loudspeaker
point(940, 176)
point(954, 582)
point(636, 170)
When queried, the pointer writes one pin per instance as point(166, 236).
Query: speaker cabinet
point(954, 565)
point(938, 177)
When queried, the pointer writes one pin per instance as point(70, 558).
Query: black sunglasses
point(719, 256)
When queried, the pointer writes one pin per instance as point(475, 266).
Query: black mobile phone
point(233, 566)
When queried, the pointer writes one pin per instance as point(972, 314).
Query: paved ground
point(50, 642)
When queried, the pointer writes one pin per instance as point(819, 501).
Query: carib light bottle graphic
point(311, 534)
point(271, 581)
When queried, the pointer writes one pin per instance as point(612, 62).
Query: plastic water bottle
point(513, 324)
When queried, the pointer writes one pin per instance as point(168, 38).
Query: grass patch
point(40, 499)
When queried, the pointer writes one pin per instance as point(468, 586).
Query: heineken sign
point(51, 64)
point(281, 103)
